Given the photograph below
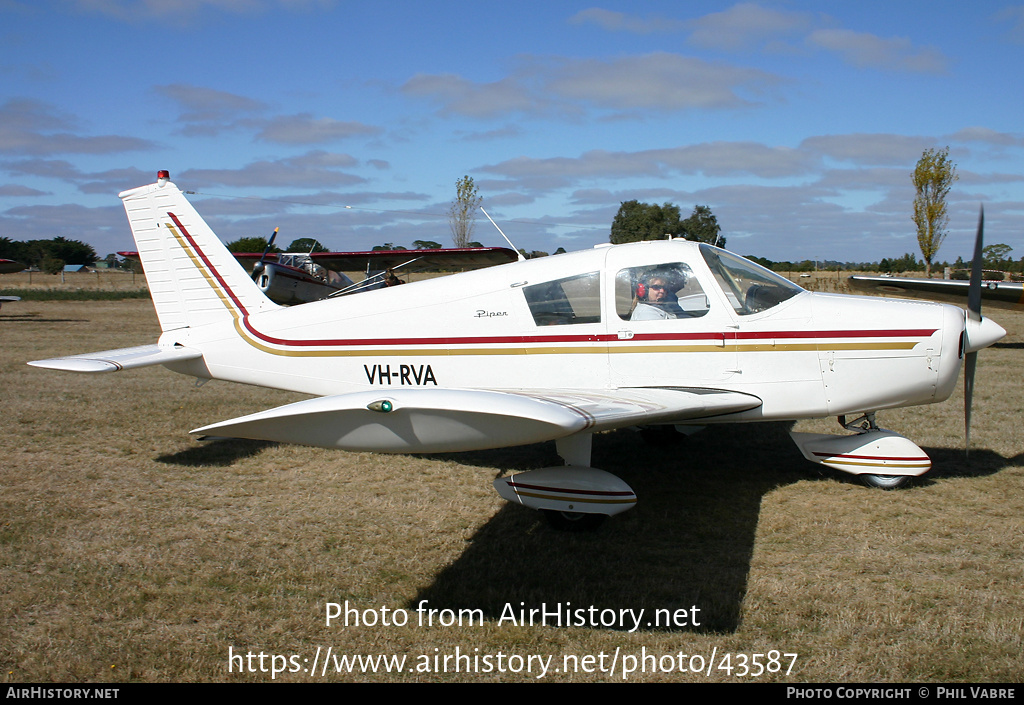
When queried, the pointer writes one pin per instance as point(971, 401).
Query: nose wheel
point(885, 482)
point(573, 521)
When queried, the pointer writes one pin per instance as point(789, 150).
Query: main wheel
point(886, 482)
point(573, 521)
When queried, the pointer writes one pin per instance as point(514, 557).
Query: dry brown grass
point(101, 280)
point(128, 551)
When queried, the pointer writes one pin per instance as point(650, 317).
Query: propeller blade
point(974, 289)
point(973, 316)
point(257, 268)
point(270, 243)
point(970, 363)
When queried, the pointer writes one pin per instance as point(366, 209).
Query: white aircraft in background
point(558, 348)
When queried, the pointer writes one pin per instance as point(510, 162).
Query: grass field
point(129, 551)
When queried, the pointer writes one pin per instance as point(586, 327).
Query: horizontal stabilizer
point(120, 359)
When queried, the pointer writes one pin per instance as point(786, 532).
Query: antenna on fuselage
point(518, 253)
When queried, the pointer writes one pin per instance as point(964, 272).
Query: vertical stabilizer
point(192, 277)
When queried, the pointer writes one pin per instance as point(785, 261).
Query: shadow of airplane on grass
point(33, 317)
point(689, 544)
point(224, 452)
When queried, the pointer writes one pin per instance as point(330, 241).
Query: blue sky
point(798, 123)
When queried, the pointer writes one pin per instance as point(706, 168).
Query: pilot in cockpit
point(656, 296)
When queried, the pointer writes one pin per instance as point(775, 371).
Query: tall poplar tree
point(933, 177)
point(462, 214)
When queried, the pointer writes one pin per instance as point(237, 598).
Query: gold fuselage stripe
point(601, 348)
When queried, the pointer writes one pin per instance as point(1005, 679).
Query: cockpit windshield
point(749, 287)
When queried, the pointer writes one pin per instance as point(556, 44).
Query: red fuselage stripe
point(520, 339)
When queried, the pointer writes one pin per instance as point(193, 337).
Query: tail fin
point(192, 277)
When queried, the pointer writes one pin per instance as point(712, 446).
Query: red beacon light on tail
point(163, 176)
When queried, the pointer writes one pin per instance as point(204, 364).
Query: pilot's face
point(656, 290)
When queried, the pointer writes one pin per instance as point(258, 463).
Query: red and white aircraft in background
point(8, 266)
point(558, 348)
point(292, 278)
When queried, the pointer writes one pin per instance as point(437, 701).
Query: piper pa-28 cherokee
point(557, 348)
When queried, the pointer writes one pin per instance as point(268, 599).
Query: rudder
point(192, 277)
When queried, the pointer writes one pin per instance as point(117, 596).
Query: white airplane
point(558, 348)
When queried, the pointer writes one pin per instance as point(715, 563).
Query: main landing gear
point(574, 497)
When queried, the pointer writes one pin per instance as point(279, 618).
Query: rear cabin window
point(566, 301)
point(659, 292)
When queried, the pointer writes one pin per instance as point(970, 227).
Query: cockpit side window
point(566, 301)
point(661, 291)
point(749, 287)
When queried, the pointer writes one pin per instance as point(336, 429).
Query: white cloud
point(621, 22)
point(715, 159)
point(658, 81)
point(183, 11)
point(864, 50)
point(205, 104)
point(986, 136)
point(459, 95)
point(111, 181)
point(19, 191)
point(870, 149)
point(310, 170)
point(654, 81)
point(305, 129)
point(27, 127)
point(730, 159)
point(745, 26)
point(1013, 17)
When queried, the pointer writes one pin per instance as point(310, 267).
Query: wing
point(451, 258)
point(1005, 295)
point(448, 420)
point(120, 359)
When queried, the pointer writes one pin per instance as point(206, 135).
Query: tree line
point(48, 255)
